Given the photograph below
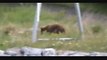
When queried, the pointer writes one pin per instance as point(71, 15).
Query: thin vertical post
point(36, 22)
point(77, 7)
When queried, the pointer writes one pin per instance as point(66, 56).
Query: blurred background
point(16, 21)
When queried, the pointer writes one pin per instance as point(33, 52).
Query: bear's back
point(54, 28)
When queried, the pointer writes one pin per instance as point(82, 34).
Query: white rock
point(98, 54)
point(1, 52)
point(68, 53)
point(31, 51)
point(14, 49)
point(13, 53)
point(74, 53)
point(80, 54)
point(102, 54)
point(4, 55)
point(49, 52)
point(28, 51)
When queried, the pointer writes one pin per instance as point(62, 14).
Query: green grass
point(22, 17)
point(96, 7)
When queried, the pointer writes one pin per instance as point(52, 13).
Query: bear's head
point(44, 28)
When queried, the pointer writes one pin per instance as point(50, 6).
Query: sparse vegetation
point(96, 29)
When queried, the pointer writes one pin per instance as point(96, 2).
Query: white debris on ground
point(29, 51)
point(63, 39)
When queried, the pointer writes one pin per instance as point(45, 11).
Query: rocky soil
point(29, 51)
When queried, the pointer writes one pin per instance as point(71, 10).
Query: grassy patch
point(22, 17)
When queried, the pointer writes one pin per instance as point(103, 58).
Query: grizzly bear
point(54, 28)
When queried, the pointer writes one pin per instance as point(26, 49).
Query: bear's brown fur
point(54, 28)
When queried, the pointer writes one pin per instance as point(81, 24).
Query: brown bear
point(54, 28)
